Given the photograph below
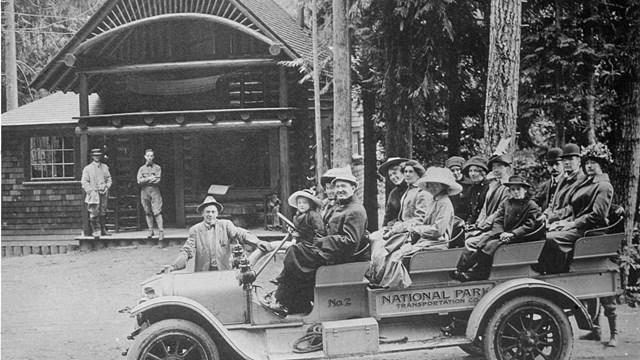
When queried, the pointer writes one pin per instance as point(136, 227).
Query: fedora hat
point(328, 176)
point(306, 193)
point(570, 150)
point(478, 161)
point(440, 175)
point(96, 152)
point(344, 173)
point(383, 169)
point(517, 180)
point(210, 200)
point(504, 158)
point(454, 161)
point(554, 154)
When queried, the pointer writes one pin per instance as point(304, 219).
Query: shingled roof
point(263, 17)
point(57, 109)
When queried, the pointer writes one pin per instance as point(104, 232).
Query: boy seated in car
point(516, 218)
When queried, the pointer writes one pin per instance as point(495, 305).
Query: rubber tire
point(473, 350)
point(172, 327)
point(517, 304)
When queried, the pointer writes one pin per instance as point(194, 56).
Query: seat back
point(514, 260)
point(616, 223)
point(457, 234)
point(595, 252)
point(433, 266)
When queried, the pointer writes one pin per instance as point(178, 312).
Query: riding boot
point(613, 328)
point(160, 227)
point(103, 226)
point(95, 227)
point(150, 225)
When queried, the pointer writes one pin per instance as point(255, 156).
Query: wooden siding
point(51, 208)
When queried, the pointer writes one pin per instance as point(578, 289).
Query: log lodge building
point(199, 81)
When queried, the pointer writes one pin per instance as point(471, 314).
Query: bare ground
point(66, 307)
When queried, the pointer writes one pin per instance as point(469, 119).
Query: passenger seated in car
point(430, 229)
point(517, 217)
point(500, 170)
point(589, 209)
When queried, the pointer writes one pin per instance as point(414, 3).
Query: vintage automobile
point(515, 314)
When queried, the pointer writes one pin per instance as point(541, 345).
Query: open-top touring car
point(515, 314)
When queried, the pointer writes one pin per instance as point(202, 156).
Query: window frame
point(69, 144)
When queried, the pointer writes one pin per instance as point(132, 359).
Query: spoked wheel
point(528, 328)
point(173, 339)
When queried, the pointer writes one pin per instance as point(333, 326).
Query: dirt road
point(66, 307)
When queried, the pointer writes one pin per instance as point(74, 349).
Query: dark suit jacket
point(345, 230)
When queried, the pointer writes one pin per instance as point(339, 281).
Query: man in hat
point(555, 167)
point(574, 176)
point(96, 181)
point(148, 178)
point(476, 169)
point(329, 203)
point(345, 230)
point(392, 170)
point(459, 201)
point(210, 241)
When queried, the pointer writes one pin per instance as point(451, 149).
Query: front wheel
point(528, 327)
point(173, 339)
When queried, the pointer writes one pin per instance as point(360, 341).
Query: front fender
point(509, 289)
point(192, 308)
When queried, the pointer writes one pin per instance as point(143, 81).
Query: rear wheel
point(528, 328)
point(173, 339)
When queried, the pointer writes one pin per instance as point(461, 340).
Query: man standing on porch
point(96, 181)
point(149, 180)
point(211, 240)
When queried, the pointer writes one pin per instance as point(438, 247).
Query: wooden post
point(84, 144)
point(178, 167)
point(342, 141)
point(285, 186)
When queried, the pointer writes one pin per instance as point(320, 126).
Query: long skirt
point(556, 254)
point(297, 279)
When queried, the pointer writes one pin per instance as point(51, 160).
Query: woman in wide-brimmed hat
point(430, 228)
point(307, 219)
point(392, 170)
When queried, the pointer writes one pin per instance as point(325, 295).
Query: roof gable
point(263, 18)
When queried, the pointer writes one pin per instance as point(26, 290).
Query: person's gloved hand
point(171, 268)
point(264, 246)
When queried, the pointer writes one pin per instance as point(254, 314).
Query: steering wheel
point(288, 224)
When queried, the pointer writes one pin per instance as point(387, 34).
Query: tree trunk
point(370, 200)
point(454, 107)
point(501, 106)
point(557, 108)
point(398, 136)
point(342, 142)
point(10, 58)
point(590, 114)
point(316, 96)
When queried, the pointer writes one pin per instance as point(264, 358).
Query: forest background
point(419, 69)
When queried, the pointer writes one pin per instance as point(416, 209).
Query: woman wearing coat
point(430, 228)
point(392, 170)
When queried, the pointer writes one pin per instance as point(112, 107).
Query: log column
point(285, 186)
point(84, 144)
